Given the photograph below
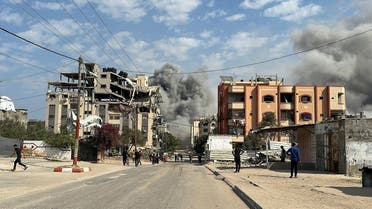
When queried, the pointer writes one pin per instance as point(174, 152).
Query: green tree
point(12, 129)
point(129, 136)
point(269, 119)
point(199, 144)
point(61, 140)
point(254, 141)
point(169, 142)
point(37, 132)
point(105, 138)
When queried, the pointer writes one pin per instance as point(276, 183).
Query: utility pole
point(77, 133)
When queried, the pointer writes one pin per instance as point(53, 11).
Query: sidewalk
point(40, 175)
point(273, 189)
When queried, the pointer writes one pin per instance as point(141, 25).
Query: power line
point(49, 26)
point(27, 63)
point(95, 29)
point(29, 97)
point(37, 45)
point(281, 57)
point(108, 29)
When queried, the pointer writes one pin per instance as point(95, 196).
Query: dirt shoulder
point(273, 189)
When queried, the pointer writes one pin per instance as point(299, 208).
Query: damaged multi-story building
point(243, 104)
point(118, 99)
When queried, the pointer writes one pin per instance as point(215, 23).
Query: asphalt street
point(171, 185)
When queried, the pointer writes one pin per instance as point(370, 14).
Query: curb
point(72, 170)
point(243, 196)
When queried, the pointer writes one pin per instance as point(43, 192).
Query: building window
point(268, 98)
point(305, 99)
point(286, 98)
point(321, 98)
point(340, 98)
point(103, 86)
point(104, 76)
point(286, 115)
point(306, 116)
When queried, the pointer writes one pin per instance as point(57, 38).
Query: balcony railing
point(236, 89)
point(236, 105)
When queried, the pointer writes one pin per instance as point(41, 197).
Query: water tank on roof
point(123, 74)
point(6, 104)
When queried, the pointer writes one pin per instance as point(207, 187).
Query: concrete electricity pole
point(77, 133)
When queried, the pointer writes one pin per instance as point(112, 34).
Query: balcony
point(236, 89)
point(286, 89)
point(236, 105)
point(286, 106)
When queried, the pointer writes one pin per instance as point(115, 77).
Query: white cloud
point(244, 42)
point(46, 5)
point(280, 48)
point(13, 18)
point(291, 11)
point(206, 34)
point(176, 11)
point(177, 47)
point(213, 61)
point(255, 4)
point(210, 4)
point(128, 10)
point(213, 14)
point(235, 17)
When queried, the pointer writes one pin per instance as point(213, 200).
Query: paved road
point(172, 186)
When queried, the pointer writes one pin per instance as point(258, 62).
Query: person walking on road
point(136, 157)
point(18, 152)
point(237, 152)
point(294, 152)
point(125, 156)
point(282, 154)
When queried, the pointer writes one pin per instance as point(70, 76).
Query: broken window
point(306, 116)
point(305, 99)
point(286, 115)
point(286, 97)
point(340, 98)
point(268, 98)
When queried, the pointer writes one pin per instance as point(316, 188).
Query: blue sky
point(192, 35)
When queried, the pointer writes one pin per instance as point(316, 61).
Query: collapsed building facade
point(9, 112)
point(118, 99)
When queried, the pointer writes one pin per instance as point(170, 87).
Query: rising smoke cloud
point(184, 98)
point(347, 63)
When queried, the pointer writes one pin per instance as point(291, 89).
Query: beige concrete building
point(115, 97)
point(242, 104)
point(19, 115)
point(204, 127)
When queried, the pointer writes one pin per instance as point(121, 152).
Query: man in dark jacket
point(237, 152)
point(18, 152)
point(294, 152)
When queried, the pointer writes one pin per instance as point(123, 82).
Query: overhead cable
point(38, 45)
point(280, 57)
point(113, 36)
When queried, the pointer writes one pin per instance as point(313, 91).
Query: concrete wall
point(344, 146)
point(358, 147)
point(40, 149)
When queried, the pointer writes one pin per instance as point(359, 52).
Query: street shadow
point(356, 191)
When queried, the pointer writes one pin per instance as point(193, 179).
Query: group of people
point(293, 152)
point(136, 156)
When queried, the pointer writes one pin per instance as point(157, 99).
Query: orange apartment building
point(242, 105)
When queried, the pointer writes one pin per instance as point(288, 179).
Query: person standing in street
point(282, 154)
point(136, 157)
point(294, 152)
point(237, 152)
point(18, 152)
point(125, 156)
